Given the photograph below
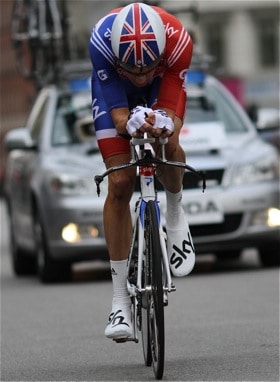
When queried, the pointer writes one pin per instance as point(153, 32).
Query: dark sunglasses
point(143, 69)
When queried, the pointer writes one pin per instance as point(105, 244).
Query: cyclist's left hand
point(162, 125)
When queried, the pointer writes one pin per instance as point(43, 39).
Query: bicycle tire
point(21, 38)
point(155, 303)
point(145, 297)
point(37, 59)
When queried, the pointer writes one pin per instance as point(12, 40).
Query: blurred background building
point(242, 36)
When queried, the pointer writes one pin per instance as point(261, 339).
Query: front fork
point(134, 284)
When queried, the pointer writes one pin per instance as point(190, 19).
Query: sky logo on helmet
point(138, 43)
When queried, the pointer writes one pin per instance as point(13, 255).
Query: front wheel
point(145, 330)
point(155, 303)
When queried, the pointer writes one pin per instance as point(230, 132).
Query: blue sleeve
point(103, 62)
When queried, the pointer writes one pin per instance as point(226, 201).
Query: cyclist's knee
point(121, 187)
point(174, 151)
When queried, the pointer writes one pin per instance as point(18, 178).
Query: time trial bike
point(149, 278)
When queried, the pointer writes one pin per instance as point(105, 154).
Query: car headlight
point(261, 170)
point(74, 233)
point(66, 184)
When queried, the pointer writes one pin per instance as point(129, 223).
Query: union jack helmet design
point(138, 36)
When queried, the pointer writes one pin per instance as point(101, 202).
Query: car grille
point(192, 181)
point(230, 224)
point(213, 178)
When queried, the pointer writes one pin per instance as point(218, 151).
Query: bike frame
point(147, 193)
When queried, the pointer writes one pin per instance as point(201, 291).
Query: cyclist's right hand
point(136, 119)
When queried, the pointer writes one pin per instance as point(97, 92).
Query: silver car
point(56, 216)
point(240, 207)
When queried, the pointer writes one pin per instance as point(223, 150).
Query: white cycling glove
point(137, 118)
point(162, 121)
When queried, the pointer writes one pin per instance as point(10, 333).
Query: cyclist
point(140, 55)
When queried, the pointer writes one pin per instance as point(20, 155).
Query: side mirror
point(19, 139)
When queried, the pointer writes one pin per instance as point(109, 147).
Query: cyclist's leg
point(118, 233)
point(179, 244)
point(117, 219)
point(172, 180)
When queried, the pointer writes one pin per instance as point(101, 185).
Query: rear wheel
point(155, 304)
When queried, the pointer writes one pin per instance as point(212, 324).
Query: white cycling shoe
point(180, 248)
point(119, 323)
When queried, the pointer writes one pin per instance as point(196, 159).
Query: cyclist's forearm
point(120, 117)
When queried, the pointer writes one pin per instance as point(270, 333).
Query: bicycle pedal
point(125, 339)
point(120, 340)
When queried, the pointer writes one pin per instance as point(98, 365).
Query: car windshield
point(210, 105)
point(73, 121)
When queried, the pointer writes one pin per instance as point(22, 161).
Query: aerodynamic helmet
point(138, 37)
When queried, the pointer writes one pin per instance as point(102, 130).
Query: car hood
point(74, 167)
point(75, 159)
point(208, 146)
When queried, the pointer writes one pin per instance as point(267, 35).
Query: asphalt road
point(221, 325)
